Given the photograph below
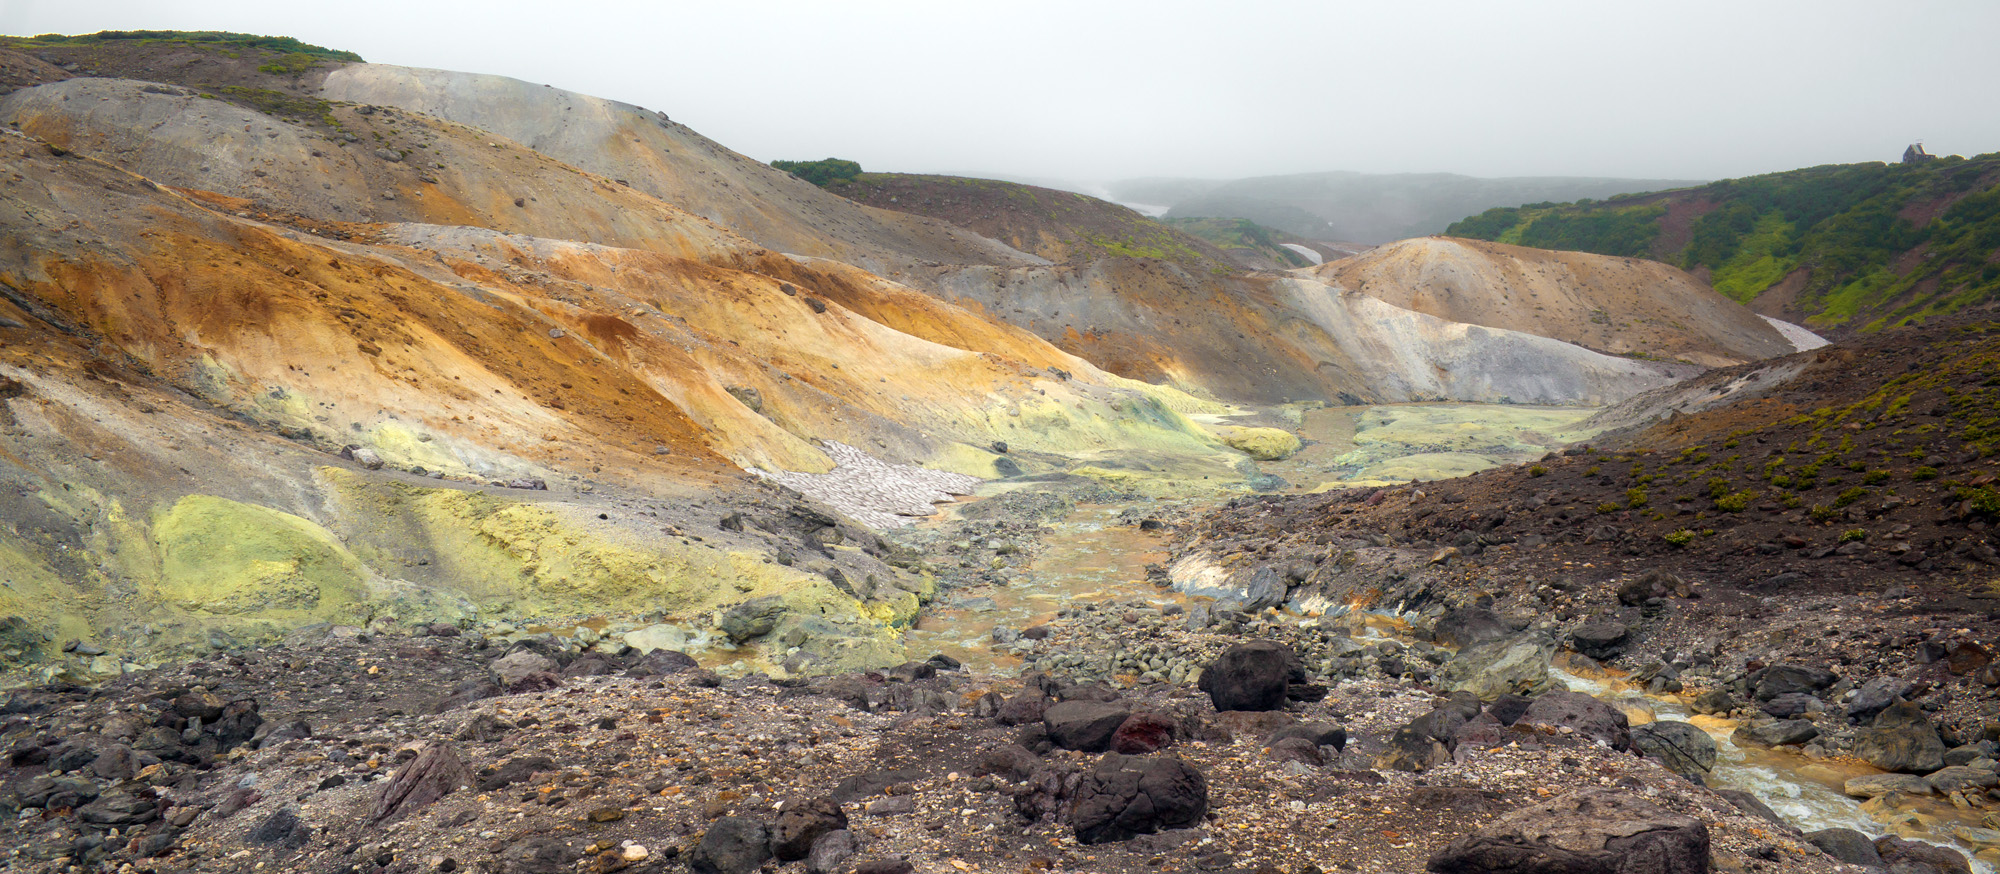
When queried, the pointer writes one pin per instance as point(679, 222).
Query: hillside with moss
point(1062, 226)
point(1843, 246)
point(1246, 239)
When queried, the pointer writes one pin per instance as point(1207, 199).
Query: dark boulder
point(1847, 845)
point(1751, 804)
point(1322, 734)
point(831, 851)
point(732, 845)
point(1586, 716)
point(1012, 761)
point(1901, 739)
point(1024, 708)
point(1590, 831)
point(281, 829)
point(1144, 733)
point(1601, 639)
point(1295, 749)
point(1129, 795)
point(433, 774)
point(1780, 732)
point(1918, 855)
point(1769, 683)
point(1792, 704)
point(1682, 748)
point(753, 618)
point(1084, 725)
point(1875, 696)
point(1469, 626)
point(118, 809)
point(1250, 676)
point(801, 824)
point(1651, 585)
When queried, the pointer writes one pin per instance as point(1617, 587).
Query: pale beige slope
point(1621, 306)
point(442, 173)
point(675, 164)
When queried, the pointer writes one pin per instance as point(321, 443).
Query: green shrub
point(1874, 477)
point(1822, 513)
point(1792, 502)
point(1924, 473)
point(1681, 537)
point(1717, 488)
point(1538, 470)
point(1607, 508)
point(1736, 502)
point(1849, 496)
point(1853, 535)
point(1591, 470)
point(823, 172)
point(1635, 498)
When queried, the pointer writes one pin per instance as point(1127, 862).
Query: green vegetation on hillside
point(1874, 244)
point(1059, 225)
point(284, 44)
point(1238, 233)
point(823, 172)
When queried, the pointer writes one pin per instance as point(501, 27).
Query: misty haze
point(1110, 438)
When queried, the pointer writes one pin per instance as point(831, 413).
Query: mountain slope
point(1621, 306)
point(1854, 246)
point(670, 161)
point(1367, 208)
point(1061, 226)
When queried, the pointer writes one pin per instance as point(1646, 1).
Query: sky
point(1096, 90)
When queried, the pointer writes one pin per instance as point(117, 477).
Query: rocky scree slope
point(437, 749)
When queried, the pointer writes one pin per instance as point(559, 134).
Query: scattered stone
point(433, 774)
point(1901, 739)
point(1086, 726)
point(801, 825)
point(1586, 716)
point(1847, 845)
point(732, 845)
point(1125, 796)
point(1249, 676)
point(1601, 639)
point(1590, 831)
point(1681, 747)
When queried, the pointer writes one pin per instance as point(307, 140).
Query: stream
point(1091, 556)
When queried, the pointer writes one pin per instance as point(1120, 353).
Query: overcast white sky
point(1088, 90)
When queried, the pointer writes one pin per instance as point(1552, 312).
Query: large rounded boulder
point(1250, 676)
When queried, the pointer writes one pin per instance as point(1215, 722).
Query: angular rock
point(1682, 748)
point(433, 774)
point(801, 825)
point(732, 845)
point(1601, 639)
point(1955, 778)
point(1876, 785)
point(1586, 716)
point(1250, 676)
point(1516, 665)
point(1901, 739)
point(1778, 680)
point(516, 666)
point(1876, 695)
point(116, 809)
point(1295, 749)
point(1897, 851)
point(1029, 706)
point(1469, 626)
point(831, 851)
point(1013, 761)
point(1125, 796)
point(1322, 734)
point(1751, 804)
point(753, 618)
point(1847, 845)
point(1775, 733)
point(1651, 585)
point(1144, 733)
point(1086, 726)
point(1589, 831)
point(281, 829)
